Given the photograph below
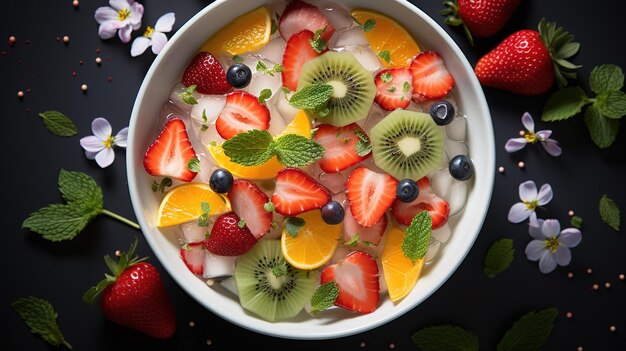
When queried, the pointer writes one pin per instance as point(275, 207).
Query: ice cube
point(193, 233)
point(442, 234)
point(274, 50)
point(340, 253)
point(457, 196)
point(441, 183)
point(433, 250)
point(277, 124)
point(375, 115)
point(287, 111)
point(216, 266)
point(262, 81)
point(176, 100)
point(209, 106)
point(414, 106)
point(457, 129)
point(337, 15)
point(365, 55)
point(347, 37)
point(207, 165)
point(454, 148)
point(230, 285)
point(276, 230)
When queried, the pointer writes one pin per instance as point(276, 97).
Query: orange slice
point(388, 35)
point(315, 243)
point(400, 273)
point(300, 125)
point(249, 32)
point(183, 204)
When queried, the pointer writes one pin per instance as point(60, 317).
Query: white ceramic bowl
point(166, 72)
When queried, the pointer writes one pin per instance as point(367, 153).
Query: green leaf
point(324, 297)
point(187, 95)
point(417, 237)
point(611, 104)
point(577, 222)
point(317, 43)
point(602, 130)
point(165, 182)
point(294, 150)
point(293, 225)
point(530, 332)
point(563, 104)
point(237, 59)
point(499, 257)
point(40, 317)
point(274, 27)
point(251, 148)
point(445, 338)
point(610, 213)
point(386, 77)
point(354, 241)
point(406, 87)
point(605, 78)
point(368, 25)
point(241, 223)
point(264, 95)
point(58, 222)
point(385, 55)
point(194, 165)
point(80, 191)
point(311, 96)
point(58, 123)
point(269, 207)
point(568, 50)
point(363, 146)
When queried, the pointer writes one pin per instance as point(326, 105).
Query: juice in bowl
point(307, 144)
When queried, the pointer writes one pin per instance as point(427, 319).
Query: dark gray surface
point(61, 272)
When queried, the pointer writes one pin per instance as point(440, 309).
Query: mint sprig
point(293, 225)
point(445, 337)
point(58, 123)
point(385, 55)
point(264, 95)
point(187, 95)
point(530, 332)
point(84, 202)
point(317, 43)
point(311, 97)
point(324, 297)
point(609, 212)
point(40, 317)
point(161, 186)
point(203, 220)
point(262, 67)
point(417, 237)
point(499, 257)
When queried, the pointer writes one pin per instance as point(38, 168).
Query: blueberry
point(407, 190)
point(332, 212)
point(442, 112)
point(461, 167)
point(221, 181)
point(239, 75)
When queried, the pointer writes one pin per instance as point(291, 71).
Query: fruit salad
point(312, 157)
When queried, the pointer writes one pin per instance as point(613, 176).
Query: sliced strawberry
point(207, 74)
point(357, 278)
point(228, 238)
point(427, 200)
point(297, 52)
point(299, 16)
point(368, 238)
point(340, 145)
point(431, 79)
point(297, 192)
point(243, 112)
point(248, 201)
point(370, 195)
point(193, 255)
point(170, 152)
point(393, 88)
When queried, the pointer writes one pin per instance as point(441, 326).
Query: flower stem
point(120, 218)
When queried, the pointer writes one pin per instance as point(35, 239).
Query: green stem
point(67, 344)
point(120, 218)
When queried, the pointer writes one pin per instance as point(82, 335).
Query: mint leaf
point(269, 207)
point(354, 241)
point(194, 165)
point(563, 104)
point(610, 213)
point(530, 332)
point(40, 317)
point(293, 225)
point(203, 220)
point(602, 130)
point(577, 222)
point(241, 223)
point(274, 27)
point(264, 95)
point(80, 191)
point(605, 78)
point(251, 148)
point(324, 297)
point(311, 97)
point(237, 59)
point(58, 222)
point(499, 257)
point(611, 104)
point(294, 150)
point(386, 77)
point(406, 87)
point(160, 187)
point(417, 237)
point(187, 95)
point(317, 43)
point(363, 146)
point(262, 67)
point(385, 55)
point(368, 25)
point(58, 123)
point(445, 338)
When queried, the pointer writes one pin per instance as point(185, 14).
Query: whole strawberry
point(479, 18)
point(528, 62)
point(134, 296)
point(207, 74)
point(229, 236)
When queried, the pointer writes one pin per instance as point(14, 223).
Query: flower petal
point(543, 134)
point(121, 137)
point(528, 191)
point(140, 44)
point(136, 12)
point(164, 23)
point(570, 237)
point(90, 155)
point(119, 4)
point(124, 33)
point(104, 14)
point(158, 42)
point(108, 29)
point(527, 121)
point(515, 144)
point(519, 213)
point(535, 249)
point(101, 128)
point(91, 143)
point(551, 228)
point(545, 195)
point(552, 147)
point(563, 255)
point(534, 228)
point(105, 157)
point(547, 262)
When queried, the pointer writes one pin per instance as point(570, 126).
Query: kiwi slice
point(270, 287)
point(407, 144)
point(353, 86)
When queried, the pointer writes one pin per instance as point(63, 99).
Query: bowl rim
point(487, 180)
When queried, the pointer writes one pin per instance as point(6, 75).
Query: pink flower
point(99, 146)
point(123, 15)
point(551, 245)
point(154, 37)
point(521, 211)
point(530, 137)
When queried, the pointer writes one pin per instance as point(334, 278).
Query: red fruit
point(299, 16)
point(228, 238)
point(482, 18)
point(357, 278)
point(248, 201)
point(193, 255)
point(427, 200)
point(297, 52)
point(431, 79)
point(368, 238)
point(170, 152)
point(134, 297)
point(243, 112)
point(207, 74)
point(393, 88)
point(297, 192)
point(340, 146)
point(370, 195)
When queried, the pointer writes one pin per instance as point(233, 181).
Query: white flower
point(551, 245)
point(123, 15)
point(530, 201)
point(99, 146)
point(530, 137)
point(154, 36)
